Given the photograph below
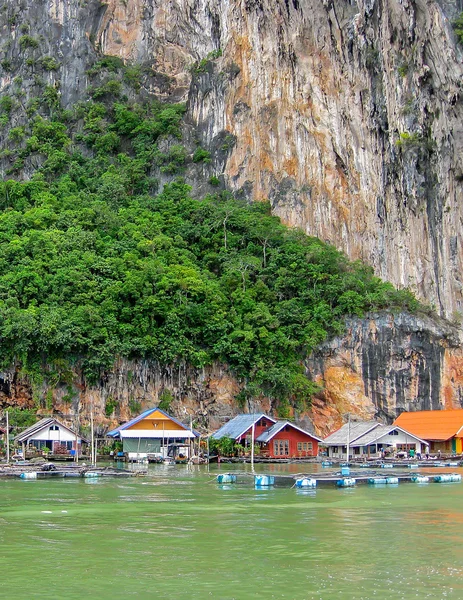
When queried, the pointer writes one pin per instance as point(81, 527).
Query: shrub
point(27, 41)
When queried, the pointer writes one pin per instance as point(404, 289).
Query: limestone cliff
point(379, 367)
point(384, 365)
point(348, 116)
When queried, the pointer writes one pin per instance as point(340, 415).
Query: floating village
point(421, 447)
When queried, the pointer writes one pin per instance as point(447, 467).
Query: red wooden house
point(240, 428)
point(284, 439)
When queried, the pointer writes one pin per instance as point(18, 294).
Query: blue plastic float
point(226, 478)
point(264, 480)
point(420, 479)
point(447, 477)
point(346, 482)
point(306, 482)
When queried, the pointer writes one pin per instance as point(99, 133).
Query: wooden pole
point(252, 446)
point(77, 444)
point(93, 459)
point(8, 439)
point(348, 437)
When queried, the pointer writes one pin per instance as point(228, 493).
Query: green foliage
point(201, 155)
point(27, 41)
point(224, 447)
point(458, 28)
point(94, 265)
point(110, 406)
point(21, 419)
point(202, 65)
point(113, 64)
point(214, 181)
point(111, 87)
point(6, 65)
point(165, 400)
point(48, 63)
point(134, 406)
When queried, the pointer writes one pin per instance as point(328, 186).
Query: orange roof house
point(443, 429)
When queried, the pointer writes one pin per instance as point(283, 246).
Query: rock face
point(380, 367)
point(384, 365)
point(347, 116)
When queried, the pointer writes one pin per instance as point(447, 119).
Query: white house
point(51, 434)
point(371, 439)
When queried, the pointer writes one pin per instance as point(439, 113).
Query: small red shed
point(286, 440)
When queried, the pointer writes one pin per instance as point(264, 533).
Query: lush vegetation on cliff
point(97, 262)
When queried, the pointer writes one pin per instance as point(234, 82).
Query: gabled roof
point(271, 432)
point(143, 415)
point(42, 424)
point(433, 425)
point(379, 432)
point(239, 425)
point(352, 430)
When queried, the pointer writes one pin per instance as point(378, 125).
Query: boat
point(169, 461)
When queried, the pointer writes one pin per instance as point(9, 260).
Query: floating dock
point(49, 470)
point(361, 477)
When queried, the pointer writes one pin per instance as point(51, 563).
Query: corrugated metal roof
point(239, 425)
point(146, 413)
point(378, 432)
point(268, 434)
point(353, 430)
point(46, 422)
point(435, 425)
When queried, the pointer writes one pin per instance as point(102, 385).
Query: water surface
point(176, 534)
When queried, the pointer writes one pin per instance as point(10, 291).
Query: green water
point(176, 535)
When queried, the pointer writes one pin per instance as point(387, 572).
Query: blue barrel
point(264, 480)
point(306, 482)
point(447, 477)
point(392, 480)
point(378, 480)
point(346, 482)
point(226, 478)
point(28, 475)
point(345, 471)
point(420, 479)
point(387, 466)
point(92, 474)
point(327, 463)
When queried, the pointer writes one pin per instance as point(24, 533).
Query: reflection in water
point(181, 535)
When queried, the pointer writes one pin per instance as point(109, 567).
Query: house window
point(299, 446)
point(281, 447)
point(263, 423)
point(395, 432)
point(54, 428)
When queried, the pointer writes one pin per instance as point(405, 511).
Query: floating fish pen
point(346, 482)
point(306, 482)
point(420, 479)
point(48, 470)
point(226, 478)
point(264, 480)
point(447, 478)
